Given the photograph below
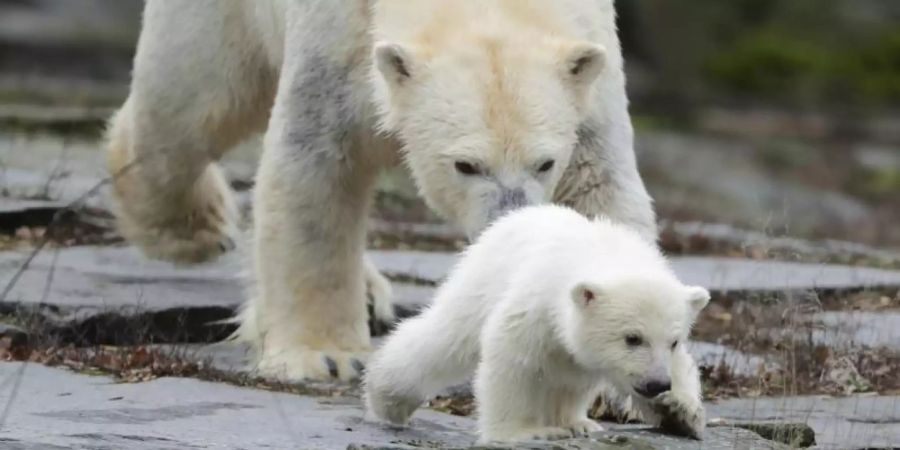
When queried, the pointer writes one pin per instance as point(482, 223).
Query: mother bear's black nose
point(511, 199)
point(653, 388)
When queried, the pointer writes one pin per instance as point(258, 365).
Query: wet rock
point(116, 296)
point(858, 421)
point(53, 407)
point(62, 169)
point(639, 438)
point(87, 295)
point(740, 363)
point(848, 329)
point(716, 273)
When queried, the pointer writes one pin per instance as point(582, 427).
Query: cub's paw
point(684, 417)
point(310, 364)
point(585, 427)
point(378, 301)
point(391, 409)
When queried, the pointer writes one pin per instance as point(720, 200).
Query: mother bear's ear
point(580, 64)
point(395, 63)
point(583, 62)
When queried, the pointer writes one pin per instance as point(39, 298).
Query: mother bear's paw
point(305, 364)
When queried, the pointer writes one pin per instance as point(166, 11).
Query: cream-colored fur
point(492, 104)
point(541, 309)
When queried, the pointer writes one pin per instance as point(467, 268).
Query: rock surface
point(73, 284)
point(115, 295)
point(55, 409)
point(720, 274)
point(864, 421)
point(846, 422)
point(113, 277)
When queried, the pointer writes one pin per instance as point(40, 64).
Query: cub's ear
point(584, 293)
point(395, 62)
point(698, 298)
point(583, 63)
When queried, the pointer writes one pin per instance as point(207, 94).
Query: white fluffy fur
point(539, 309)
point(342, 89)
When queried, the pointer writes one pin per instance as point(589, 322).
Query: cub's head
point(486, 125)
point(630, 329)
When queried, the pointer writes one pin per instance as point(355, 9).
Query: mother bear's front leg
point(308, 316)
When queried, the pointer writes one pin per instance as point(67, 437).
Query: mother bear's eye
point(467, 168)
point(546, 166)
point(634, 340)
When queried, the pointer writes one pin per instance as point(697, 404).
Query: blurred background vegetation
point(801, 54)
point(773, 115)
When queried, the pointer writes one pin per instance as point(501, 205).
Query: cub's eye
point(674, 344)
point(467, 168)
point(634, 340)
point(546, 166)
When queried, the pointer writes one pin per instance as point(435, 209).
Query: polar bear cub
point(546, 308)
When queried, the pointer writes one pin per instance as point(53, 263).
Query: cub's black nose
point(653, 388)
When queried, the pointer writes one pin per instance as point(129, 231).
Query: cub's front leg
point(681, 408)
point(679, 411)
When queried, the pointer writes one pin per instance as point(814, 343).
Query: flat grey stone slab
point(118, 277)
point(54, 409)
point(845, 329)
point(90, 280)
point(847, 422)
point(116, 296)
point(61, 188)
point(724, 274)
point(63, 170)
point(121, 277)
point(430, 266)
point(740, 363)
point(111, 277)
point(728, 274)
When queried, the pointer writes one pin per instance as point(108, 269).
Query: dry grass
point(782, 331)
point(142, 363)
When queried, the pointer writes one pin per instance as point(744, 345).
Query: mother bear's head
point(488, 123)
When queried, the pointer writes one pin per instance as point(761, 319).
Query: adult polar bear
point(492, 104)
